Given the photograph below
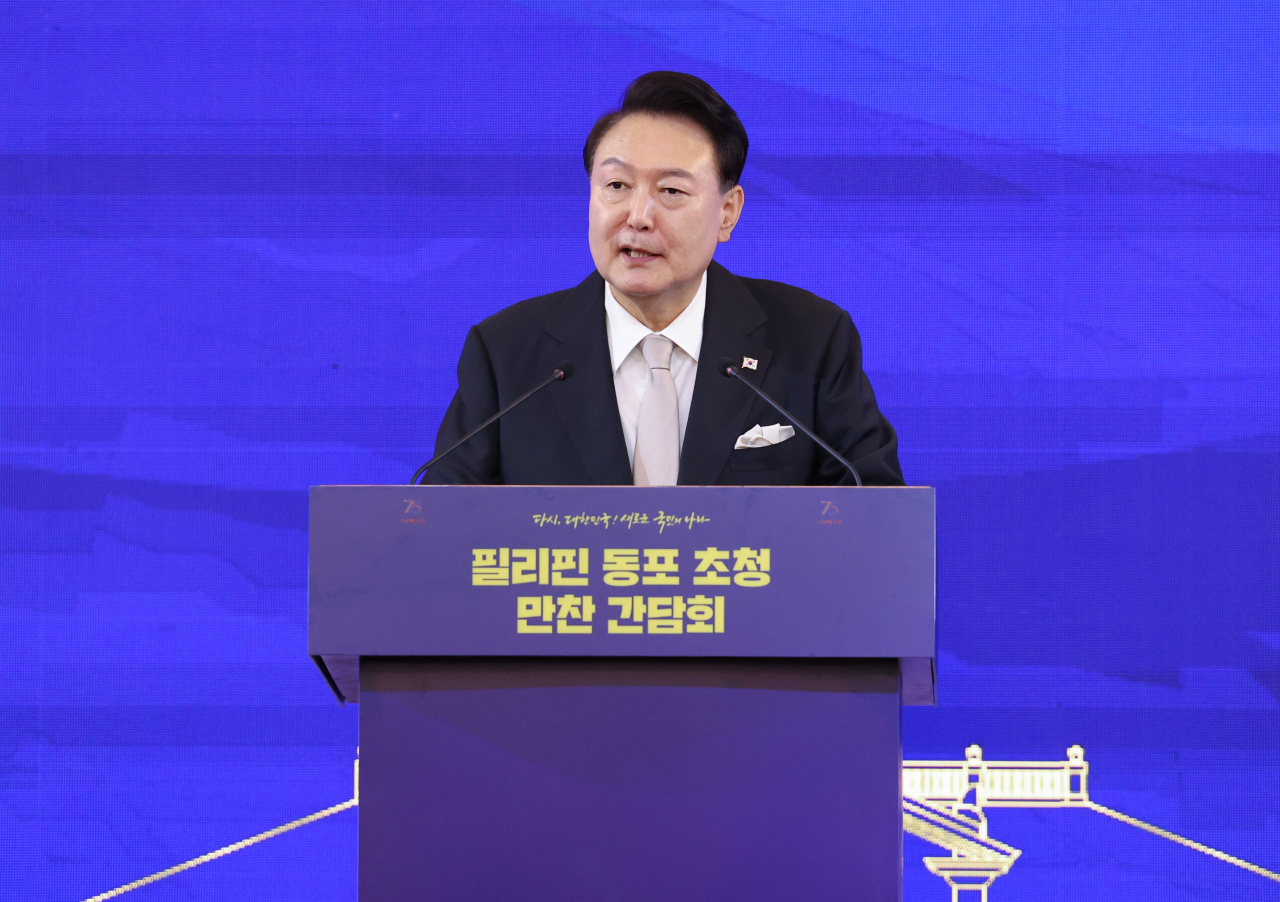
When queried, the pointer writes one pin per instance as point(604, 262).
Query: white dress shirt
point(631, 372)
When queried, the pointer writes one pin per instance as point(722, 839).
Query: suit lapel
point(587, 402)
point(732, 327)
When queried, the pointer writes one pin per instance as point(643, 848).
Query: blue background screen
point(241, 245)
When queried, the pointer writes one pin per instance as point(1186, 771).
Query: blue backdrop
point(240, 246)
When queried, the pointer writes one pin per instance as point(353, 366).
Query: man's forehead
point(656, 144)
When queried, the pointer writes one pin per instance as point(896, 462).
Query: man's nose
point(640, 216)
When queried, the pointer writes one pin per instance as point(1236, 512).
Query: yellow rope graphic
point(225, 850)
point(1189, 843)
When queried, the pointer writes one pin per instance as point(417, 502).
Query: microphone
point(726, 368)
point(559, 374)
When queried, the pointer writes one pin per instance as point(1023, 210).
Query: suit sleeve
point(478, 461)
point(847, 416)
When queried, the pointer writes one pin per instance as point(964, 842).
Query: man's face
point(657, 211)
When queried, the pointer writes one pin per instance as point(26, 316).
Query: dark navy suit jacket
point(810, 361)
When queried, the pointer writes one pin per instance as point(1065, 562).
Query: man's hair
point(685, 97)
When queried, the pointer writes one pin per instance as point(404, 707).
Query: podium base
point(624, 779)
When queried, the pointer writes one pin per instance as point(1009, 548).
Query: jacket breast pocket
point(770, 457)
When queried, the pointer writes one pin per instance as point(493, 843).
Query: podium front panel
point(621, 571)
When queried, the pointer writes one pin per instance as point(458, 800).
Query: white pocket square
point(762, 436)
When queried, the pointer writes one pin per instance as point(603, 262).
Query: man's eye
point(616, 186)
point(672, 192)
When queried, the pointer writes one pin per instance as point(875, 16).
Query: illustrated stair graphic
point(976, 859)
point(943, 802)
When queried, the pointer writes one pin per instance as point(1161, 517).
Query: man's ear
point(730, 210)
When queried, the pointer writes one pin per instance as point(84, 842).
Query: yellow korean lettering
point(534, 607)
point(524, 566)
point(660, 567)
point(574, 608)
point(621, 566)
point(751, 567)
point(489, 567)
point(632, 609)
point(712, 569)
point(666, 615)
point(569, 566)
point(706, 614)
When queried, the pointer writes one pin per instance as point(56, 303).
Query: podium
point(619, 693)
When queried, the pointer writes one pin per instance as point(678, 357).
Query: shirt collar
point(625, 331)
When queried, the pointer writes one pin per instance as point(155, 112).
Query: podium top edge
point(753, 488)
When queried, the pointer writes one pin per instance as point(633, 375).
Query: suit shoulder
point(780, 300)
point(525, 315)
point(560, 313)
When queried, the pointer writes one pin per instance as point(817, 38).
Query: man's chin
point(632, 287)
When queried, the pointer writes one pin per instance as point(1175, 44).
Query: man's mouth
point(635, 253)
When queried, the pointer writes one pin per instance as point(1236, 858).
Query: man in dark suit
point(647, 404)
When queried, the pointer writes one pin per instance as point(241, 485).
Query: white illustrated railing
point(943, 802)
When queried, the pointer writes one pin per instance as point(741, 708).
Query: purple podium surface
point(626, 693)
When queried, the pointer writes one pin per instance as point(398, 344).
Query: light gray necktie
point(658, 432)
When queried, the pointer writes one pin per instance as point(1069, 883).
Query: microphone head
point(565, 370)
point(725, 367)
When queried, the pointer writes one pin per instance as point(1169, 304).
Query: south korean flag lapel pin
point(749, 363)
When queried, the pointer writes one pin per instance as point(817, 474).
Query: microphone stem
point(422, 470)
point(733, 371)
